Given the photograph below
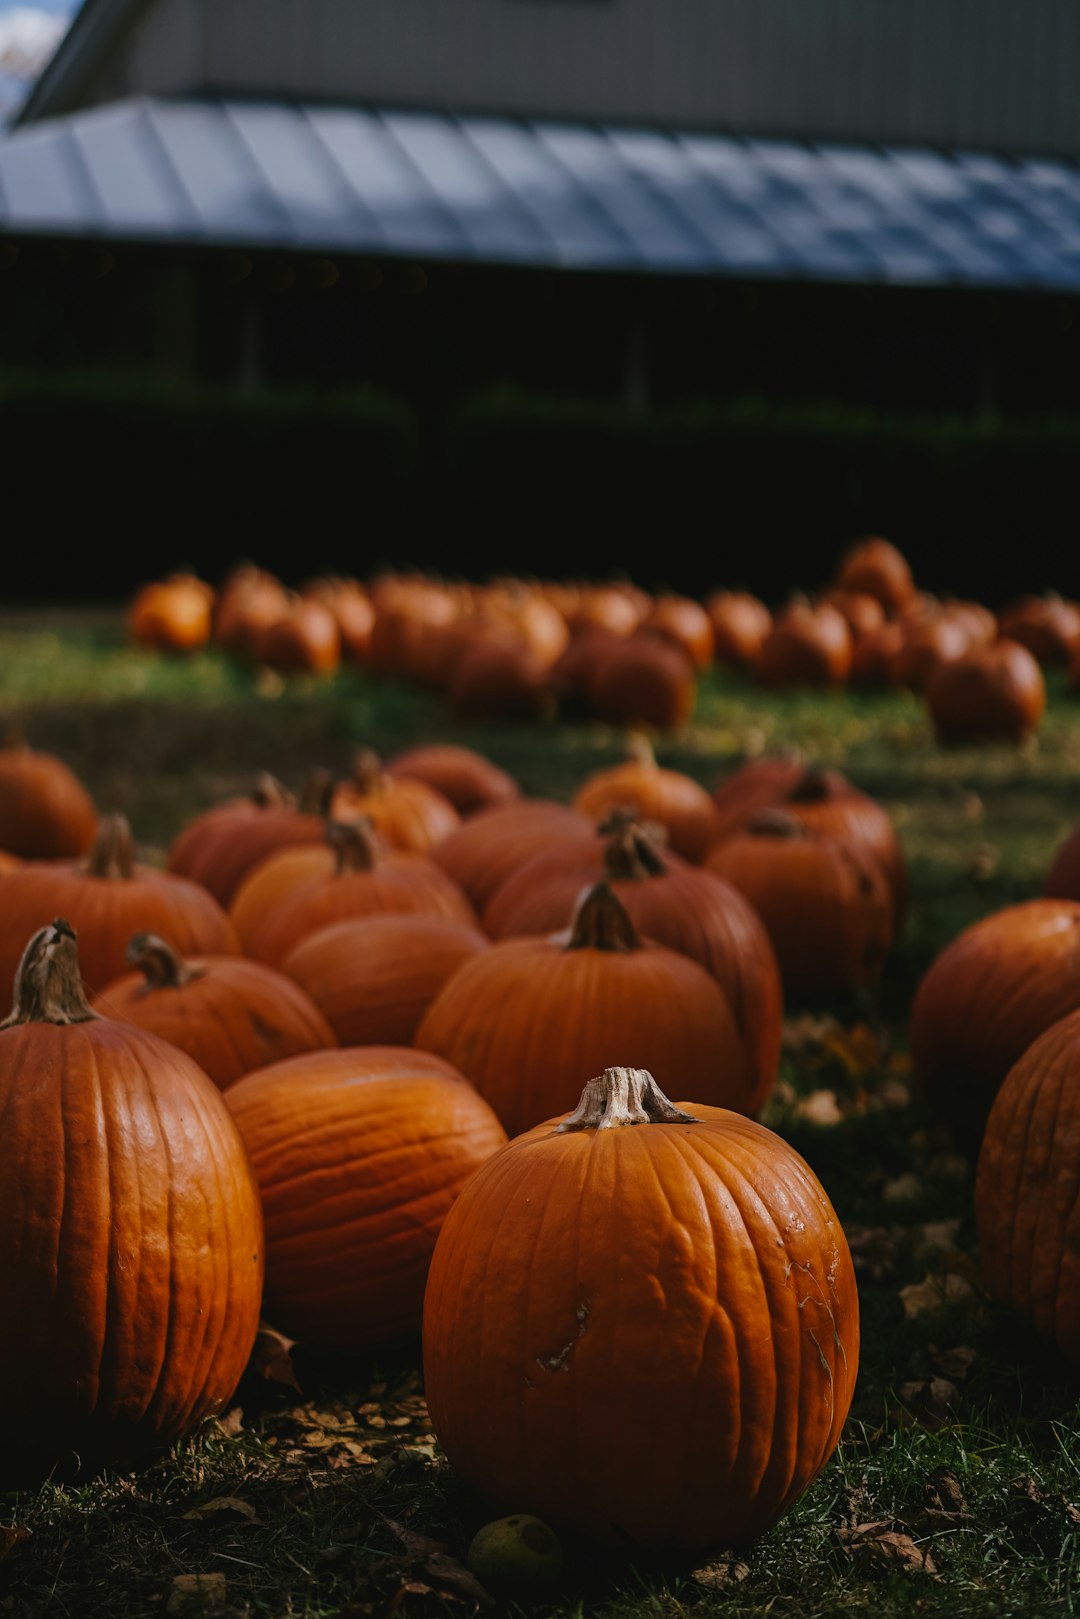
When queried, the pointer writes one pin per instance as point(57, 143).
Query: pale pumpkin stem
point(601, 923)
point(269, 793)
point(640, 749)
point(113, 854)
point(630, 853)
point(159, 962)
point(318, 793)
point(367, 773)
point(353, 843)
point(622, 1096)
point(48, 983)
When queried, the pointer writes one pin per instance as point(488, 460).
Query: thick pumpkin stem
point(48, 983)
point(640, 749)
point(601, 923)
point(622, 1096)
point(812, 787)
point(113, 854)
point(318, 793)
point(367, 773)
point(776, 823)
point(269, 793)
point(353, 843)
point(159, 963)
point(630, 853)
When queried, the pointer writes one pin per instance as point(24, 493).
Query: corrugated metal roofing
point(574, 196)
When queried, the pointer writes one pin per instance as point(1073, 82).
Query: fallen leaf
point(11, 1536)
point(904, 1189)
point(271, 1359)
point(934, 1292)
point(954, 1363)
point(196, 1593)
point(820, 1107)
point(878, 1548)
point(873, 1250)
point(231, 1423)
point(930, 1400)
point(432, 1557)
point(943, 1492)
point(721, 1576)
point(224, 1506)
point(1072, 1514)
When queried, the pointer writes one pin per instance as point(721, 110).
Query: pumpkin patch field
point(630, 1046)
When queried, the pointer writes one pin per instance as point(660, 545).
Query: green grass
point(981, 1469)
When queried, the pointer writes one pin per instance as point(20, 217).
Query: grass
point(964, 1442)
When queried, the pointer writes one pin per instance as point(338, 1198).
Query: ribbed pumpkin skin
point(408, 814)
point(991, 694)
point(221, 846)
point(1028, 1188)
point(989, 994)
point(233, 1017)
point(754, 787)
point(481, 855)
point(131, 1252)
point(272, 922)
point(644, 680)
point(529, 1021)
point(105, 912)
point(689, 910)
point(827, 907)
point(673, 800)
point(466, 778)
point(648, 1333)
point(375, 978)
point(359, 1155)
point(45, 811)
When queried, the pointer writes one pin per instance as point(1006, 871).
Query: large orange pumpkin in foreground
point(45, 811)
point(231, 1016)
point(358, 1155)
point(1028, 1188)
point(131, 1251)
point(524, 1020)
point(642, 1323)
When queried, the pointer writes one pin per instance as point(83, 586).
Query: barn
point(411, 277)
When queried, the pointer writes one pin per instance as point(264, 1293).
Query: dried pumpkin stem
point(812, 787)
point(269, 793)
point(367, 773)
point(318, 793)
point(48, 983)
point(159, 962)
point(640, 749)
point(601, 923)
point(622, 1096)
point(631, 855)
point(353, 843)
point(113, 854)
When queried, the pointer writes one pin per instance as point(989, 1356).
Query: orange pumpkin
point(740, 624)
point(108, 898)
point(757, 786)
point(373, 979)
point(525, 1018)
point(1063, 878)
point(607, 607)
point(231, 1016)
point(876, 568)
point(498, 679)
point(220, 847)
point(808, 645)
point(991, 694)
point(927, 646)
point(131, 1249)
point(468, 780)
point(358, 1155)
point(1047, 625)
point(407, 611)
point(490, 847)
point(687, 909)
point(409, 814)
point(296, 893)
point(45, 811)
point(353, 614)
point(172, 615)
point(250, 601)
point(874, 658)
point(1028, 1188)
point(684, 622)
point(826, 906)
point(642, 680)
point(674, 801)
point(863, 614)
point(304, 640)
point(642, 1322)
point(988, 995)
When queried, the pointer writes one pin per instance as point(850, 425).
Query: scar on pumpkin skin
point(557, 1363)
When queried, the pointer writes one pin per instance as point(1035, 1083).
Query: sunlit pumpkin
point(991, 694)
point(172, 615)
point(740, 624)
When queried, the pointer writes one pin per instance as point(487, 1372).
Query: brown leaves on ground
point(228, 1507)
point(430, 1559)
point(194, 1594)
point(935, 1291)
point(721, 1576)
point(933, 1397)
point(879, 1548)
point(900, 1544)
point(854, 1069)
point(271, 1358)
point(12, 1536)
point(387, 1430)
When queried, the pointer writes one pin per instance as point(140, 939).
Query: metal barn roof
point(485, 190)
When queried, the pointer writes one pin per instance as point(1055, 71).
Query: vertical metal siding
point(952, 72)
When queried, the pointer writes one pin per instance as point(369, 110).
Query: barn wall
point(986, 73)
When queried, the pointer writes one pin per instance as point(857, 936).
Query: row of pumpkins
point(645, 1332)
point(516, 648)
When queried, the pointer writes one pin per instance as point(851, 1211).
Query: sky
point(29, 33)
